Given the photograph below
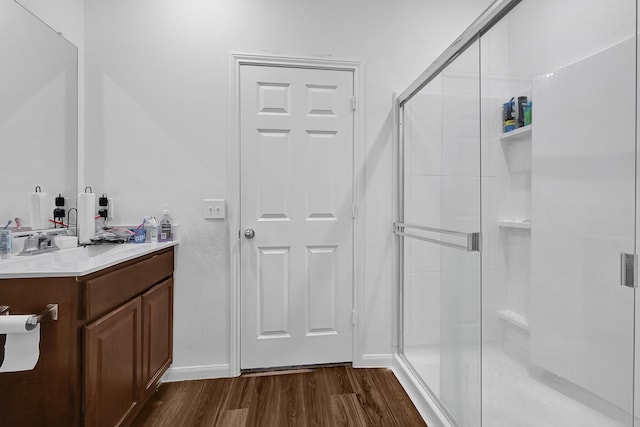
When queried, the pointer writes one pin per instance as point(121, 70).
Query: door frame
point(233, 190)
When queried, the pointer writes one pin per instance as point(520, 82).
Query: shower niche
point(514, 236)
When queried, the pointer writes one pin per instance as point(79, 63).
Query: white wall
point(157, 118)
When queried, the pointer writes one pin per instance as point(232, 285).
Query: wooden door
point(112, 371)
point(296, 216)
point(157, 333)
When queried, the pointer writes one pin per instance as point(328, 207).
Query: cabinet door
point(157, 333)
point(112, 369)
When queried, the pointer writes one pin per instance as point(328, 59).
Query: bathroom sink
point(75, 261)
point(66, 258)
point(95, 253)
point(99, 250)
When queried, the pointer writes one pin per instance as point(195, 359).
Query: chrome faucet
point(38, 243)
point(44, 241)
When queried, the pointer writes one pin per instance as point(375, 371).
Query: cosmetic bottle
point(522, 104)
point(508, 116)
point(527, 114)
point(165, 234)
point(151, 229)
point(5, 244)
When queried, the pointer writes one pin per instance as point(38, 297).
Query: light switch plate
point(213, 208)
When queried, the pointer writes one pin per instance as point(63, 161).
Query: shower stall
point(516, 239)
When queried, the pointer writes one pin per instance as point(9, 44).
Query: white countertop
point(76, 261)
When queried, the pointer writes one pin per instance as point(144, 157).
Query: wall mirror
point(38, 115)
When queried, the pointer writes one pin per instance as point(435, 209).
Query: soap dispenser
point(166, 234)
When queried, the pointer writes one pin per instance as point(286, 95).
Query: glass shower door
point(558, 328)
point(440, 221)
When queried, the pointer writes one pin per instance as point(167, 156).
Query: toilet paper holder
point(50, 312)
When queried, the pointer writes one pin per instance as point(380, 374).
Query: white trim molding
point(383, 360)
point(188, 373)
point(233, 188)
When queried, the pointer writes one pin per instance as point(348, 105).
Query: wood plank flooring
point(324, 396)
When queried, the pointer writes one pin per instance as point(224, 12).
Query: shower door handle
point(472, 244)
point(629, 270)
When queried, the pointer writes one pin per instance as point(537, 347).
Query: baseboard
point(383, 360)
point(423, 402)
point(188, 373)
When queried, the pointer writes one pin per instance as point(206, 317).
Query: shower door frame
point(407, 375)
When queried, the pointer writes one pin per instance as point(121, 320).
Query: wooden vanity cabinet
point(102, 360)
point(128, 338)
point(113, 366)
point(126, 352)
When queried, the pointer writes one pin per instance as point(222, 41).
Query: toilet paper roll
point(16, 324)
point(86, 217)
point(21, 343)
point(39, 210)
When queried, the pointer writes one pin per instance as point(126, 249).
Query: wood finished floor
point(326, 396)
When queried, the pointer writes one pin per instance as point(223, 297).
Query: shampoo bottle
point(527, 114)
point(165, 234)
point(508, 116)
point(522, 105)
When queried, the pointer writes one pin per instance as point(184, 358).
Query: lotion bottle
point(165, 233)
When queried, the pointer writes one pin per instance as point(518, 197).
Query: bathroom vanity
point(103, 357)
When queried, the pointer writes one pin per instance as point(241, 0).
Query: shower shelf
point(522, 224)
point(522, 133)
point(515, 319)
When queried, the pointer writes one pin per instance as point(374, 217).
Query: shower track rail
point(473, 239)
point(494, 13)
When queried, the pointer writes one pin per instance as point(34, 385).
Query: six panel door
point(296, 216)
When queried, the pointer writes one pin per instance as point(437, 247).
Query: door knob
point(249, 233)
